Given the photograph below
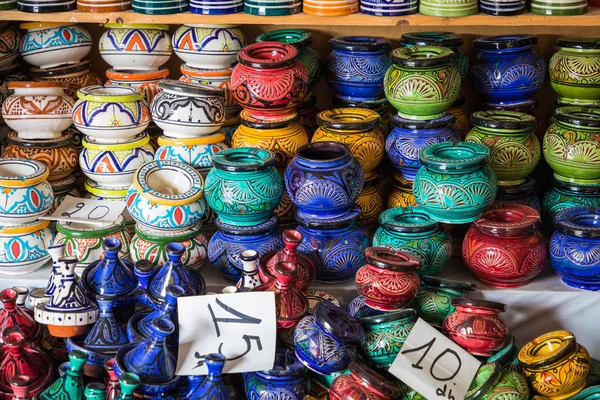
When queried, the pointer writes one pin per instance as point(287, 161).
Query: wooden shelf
point(591, 19)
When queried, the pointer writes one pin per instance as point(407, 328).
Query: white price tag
point(433, 365)
point(241, 326)
point(87, 211)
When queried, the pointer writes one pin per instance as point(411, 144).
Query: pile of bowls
point(214, 7)
point(330, 8)
point(389, 8)
point(272, 7)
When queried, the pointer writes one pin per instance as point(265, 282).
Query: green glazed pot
point(554, 7)
point(591, 393)
point(268, 11)
point(448, 8)
point(413, 231)
point(492, 383)
point(575, 70)
point(565, 195)
point(594, 375)
point(422, 82)
point(514, 149)
point(434, 301)
point(455, 185)
point(571, 147)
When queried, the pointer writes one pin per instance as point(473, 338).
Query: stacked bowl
point(272, 7)
point(389, 8)
point(214, 7)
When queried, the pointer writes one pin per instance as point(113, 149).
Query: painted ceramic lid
point(191, 89)
point(459, 156)
point(105, 94)
point(547, 349)
point(268, 55)
point(422, 56)
point(178, 173)
point(581, 222)
point(444, 39)
point(391, 260)
point(498, 119)
point(435, 282)
point(474, 303)
point(349, 119)
point(360, 44)
point(244, 159)
point(338, 323)
point(20, 172)
point(504, 42)
point(486, 378)
point(586, 117)
point(61, 69)
point(418, 124)
point(579, 43)
point(299, 38)
point(408, 220)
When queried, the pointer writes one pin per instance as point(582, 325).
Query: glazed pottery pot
point(370, 201)
point(570, 148)
point(562, 7)
point(209, 7)
point(392, 8)
point(228, 243)
point(552, 356)
point(24, 247)
point(147, 81)
point(380, 106)
point(329, 8)
point(356, 66)
point(524, 193)
point(36, 6)
point(334, 245)
point(449, 40)
point(414, 232)
point(113, 165)
point(434, 301)
point(529, 106)
point(58, 155)
point(422, 82)
point(388, 281)
point(565, 195)
point(575, 70)
point(208, 46)
point(507, 357)
point(75, 76)
point(324, 341)
point(590, 393)
point(362, 382)
point(26, 193)
point(103, 6)
point(462, 124)
point(282, 136)
point(384, 336)
point(358, 128)
point(444, 8)
point(409, 136)
point(11, 39)
point(186, 110)
point(110, 114)
point(11, 73)
point(37, 110)
point(243, 188)
point(455, 185)
point(476, 326)
point(507, 69)
point(401, 194)
point(267, 8)
point(197, 152)
point(505, 248)
point(514, 148)
point(212, 77)
point(502, 7)
point(492, 383)
point(140, 47)
point(572, 247)
point(49, 44)
point(323, 179)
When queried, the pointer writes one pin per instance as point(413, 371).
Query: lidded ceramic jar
point(455, 184)
point(75, 76)
point(362, 382)
point(208, 46)
point(141, 47)
point(507, 69)
point(514, 149)
point(145, 80)
point(49, 44)
point(492, 383)
point(429, 68)
point(38, 110)
point(219, 78)
point(505, 247)
point(197, 152)
point(24, 247)
point(413, 231)
point(524, 193)
point(565, 195)
point(555, 365)
point(434, 301)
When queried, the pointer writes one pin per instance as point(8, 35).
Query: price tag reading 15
point(433, 365)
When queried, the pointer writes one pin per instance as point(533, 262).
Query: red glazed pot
point(476, 326)
point(269, 80)
point(305, 269)
point(361, 384)
point(389, 280)
point(505, 247)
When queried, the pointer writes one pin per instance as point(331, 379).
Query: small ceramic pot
point(434, 301)
point(24, 247)
point(358, 128)
point(414, 232)
point(514, 148)
point(565, 195)
point(410, 136)
point(110, 114)
point(261, 65)
point(507, 69)
point(147, 81)
point(362, 382)
point(58, 155)
point(48, 44)
point(462, 124)
point(138, 47)
point(186, 110)
point(384, 336)
point(402, 194)
point(505, 248)
point(561, 7)
point(575, 70)
point(430, 69)
point(219, 78)
point(492, 383)
point(196, 152)
point(113, 165)
point(38, 110)
point(61, 189)
point(455, 185)
point(11, 37)
point(166, 196)
point(357, 65)
point(445, 8)
point(524, 193)
point(208, 46)
point(476, 326)
point(75, 76)
point(555, 365)
point(26, 193)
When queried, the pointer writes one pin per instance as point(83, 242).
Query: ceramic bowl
point(49, 44)
point(208, 46)
point(11, 39)
point(147, 81)
point(186, 110)
point(197, 152)
point(122, 114)
point(113, 165)
point(143, 47)
point(166, 196)
point(24, 247)
point(26, 194)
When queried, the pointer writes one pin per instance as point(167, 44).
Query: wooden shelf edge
point(592, 18)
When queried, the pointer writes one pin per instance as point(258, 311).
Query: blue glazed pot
point(507, 69)
point(409, 136)
point(356, 66)
point(565, 195)
point(213, 387)
point(574, 247)
point(228, 243)
point(335, 245)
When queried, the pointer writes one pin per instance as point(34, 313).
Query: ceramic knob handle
point(20, 385)
point(249, 260)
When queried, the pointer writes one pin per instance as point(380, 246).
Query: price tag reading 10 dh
point(433, 365)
